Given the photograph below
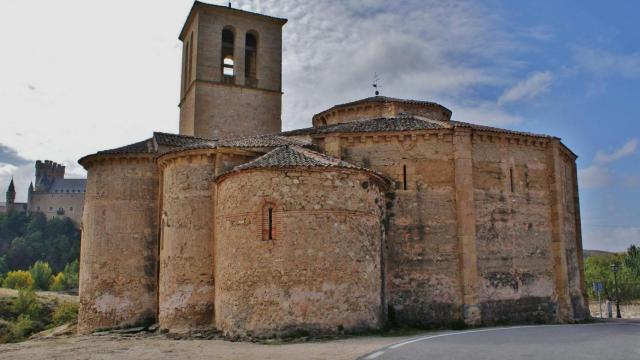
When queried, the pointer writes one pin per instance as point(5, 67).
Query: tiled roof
point(294, 156)
point(383, 99)
point(262, 141)
point(176, 140)
point(495, 129)
point(400, 123)
point(144, 146)
point(257, 141)
point(68, 186)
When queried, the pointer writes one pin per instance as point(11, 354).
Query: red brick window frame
point(270, 221)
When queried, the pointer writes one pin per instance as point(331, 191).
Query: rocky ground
point(158, 347)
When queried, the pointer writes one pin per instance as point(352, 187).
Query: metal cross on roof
point(376, 86)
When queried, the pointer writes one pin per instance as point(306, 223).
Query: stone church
point(385, 211)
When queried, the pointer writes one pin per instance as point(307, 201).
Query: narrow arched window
point(227, 65)
point(270, 222)
point(228, 61)
point(251, 58)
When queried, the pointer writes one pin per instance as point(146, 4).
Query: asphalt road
point(602, 341)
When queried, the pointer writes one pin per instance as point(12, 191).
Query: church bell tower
point(231, 73)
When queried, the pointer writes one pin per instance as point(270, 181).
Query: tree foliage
point(41, 274)
point(28, 238)
point(18, 279)
point(632, 260)
point(597, 268)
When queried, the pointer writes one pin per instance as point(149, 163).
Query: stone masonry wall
point(375, 110)
point(512, 206)
point(118, 256)
point(422, 249)
point(224, 111)
point(48, 204)
point(186, 289)
point(575, 268)
point(214, 107)
point(320, 272)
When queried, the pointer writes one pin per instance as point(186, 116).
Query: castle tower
point(11, 194)
point(30, 193)
point(46, 173)
point(231, 73)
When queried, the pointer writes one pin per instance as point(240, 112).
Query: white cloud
point(595, 176)
point(610, 238)
point(598, 175)
point(602, 62)
point(485, 113)
point(430, 50)
point(529, 88)
point(627, 149)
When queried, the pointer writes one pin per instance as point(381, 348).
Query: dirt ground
point(158, 347)
point(44, 295)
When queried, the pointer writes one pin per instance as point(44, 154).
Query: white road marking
point(375, 355)
point(395, 346)
point(460, 333)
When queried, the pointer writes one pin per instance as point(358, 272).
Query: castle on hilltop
point(383, 211)
point(53, 194)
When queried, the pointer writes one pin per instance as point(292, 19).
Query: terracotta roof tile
point(144, 146)
point(400, 123)
point(294, 156)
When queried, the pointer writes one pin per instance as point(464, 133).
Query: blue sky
point(72, 83)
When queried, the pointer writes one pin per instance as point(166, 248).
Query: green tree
point(71, 274)
point(3, 265)
point(21, 327)
point(59, 283)
point(65, 313)
point(18, 279)
point(597, 268)
point(41, 274)
point(632, 260)
point(26, 304)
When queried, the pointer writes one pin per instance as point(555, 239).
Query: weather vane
point(376, 86)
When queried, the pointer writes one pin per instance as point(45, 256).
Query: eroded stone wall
point(321, 269)
point(512, 206)
point(186, 290)
point(118, 256)
point(575, 266)
point(422, 251)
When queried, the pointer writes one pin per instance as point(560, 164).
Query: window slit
point(404, 177)
point(511, 178)
point(270, 224)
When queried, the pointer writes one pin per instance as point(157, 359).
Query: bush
point(59, 283)
point(18, 279)
point(21, 327)
point(26, 304)
point(41, 275)
point(71, 274)
point(65, 313)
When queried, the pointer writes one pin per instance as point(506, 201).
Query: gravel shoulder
point(158, 347)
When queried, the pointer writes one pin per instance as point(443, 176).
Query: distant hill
point(586, 253)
